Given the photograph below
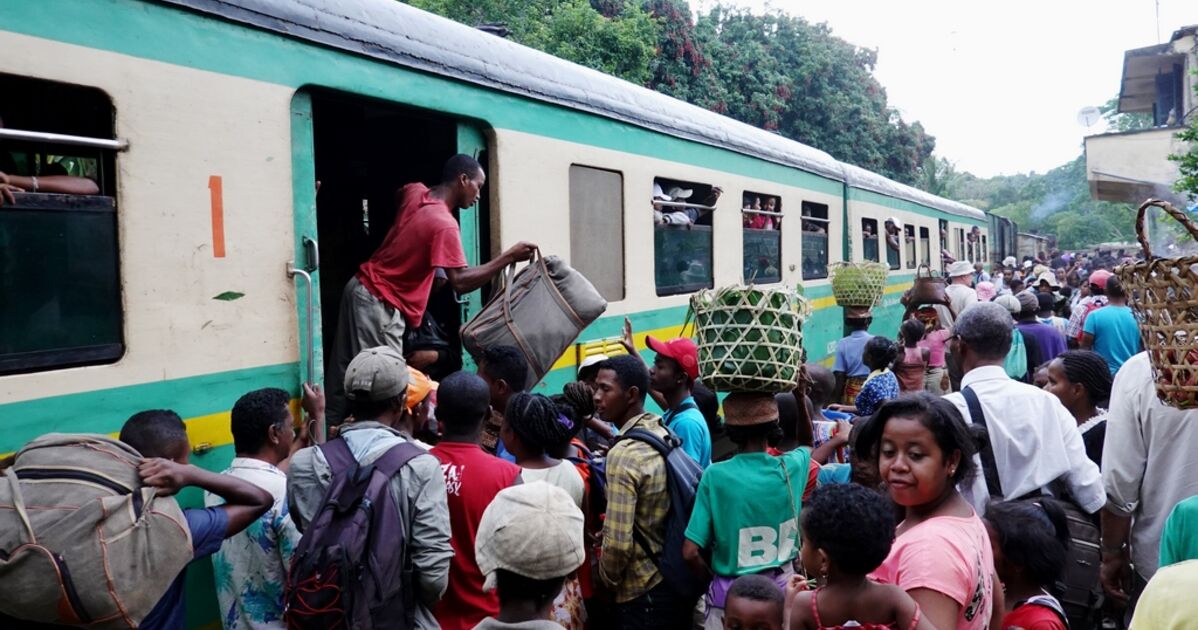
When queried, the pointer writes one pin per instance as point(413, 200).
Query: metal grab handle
point(293, 271)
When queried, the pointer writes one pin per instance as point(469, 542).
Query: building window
point(597, 228)
point(816, 226)
point(60, 291)
point(869, 240)
point(925, 244)
point(909, 240)
point(761, 221)
point(682, 238)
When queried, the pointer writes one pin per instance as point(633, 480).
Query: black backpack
point(682, 482)
point(351, 568)
point(1079, 588)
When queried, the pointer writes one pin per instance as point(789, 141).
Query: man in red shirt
point(472, 479)
point(391, 290)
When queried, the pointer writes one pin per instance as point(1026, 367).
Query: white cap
point(895, 221)
point(658, 193)
point(1009, 261)
point(533, 530)
point(678, 194)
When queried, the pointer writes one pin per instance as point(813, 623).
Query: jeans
point(658, 609)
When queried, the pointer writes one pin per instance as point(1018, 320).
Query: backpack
point(1079, 587)
point(82, 541)
point(351, 567)
point(682, 482)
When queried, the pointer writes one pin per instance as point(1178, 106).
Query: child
point(881, 385)
point(161, 438)
point(754, 603)
point(1030, 540)
point(913, 364)
point(847, 531)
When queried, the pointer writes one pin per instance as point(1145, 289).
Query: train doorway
point(365, 151)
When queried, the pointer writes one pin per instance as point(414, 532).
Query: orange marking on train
point(215, 187)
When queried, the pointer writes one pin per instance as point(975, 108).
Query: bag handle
point(920, 269)
point(18, 502)
point(1142, 213)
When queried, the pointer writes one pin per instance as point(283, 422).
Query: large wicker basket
point(858, 284)
point(1163, 293)
point(750, 339)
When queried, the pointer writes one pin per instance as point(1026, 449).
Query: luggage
point(682, 482)
point(82, 541)
point(351, 568)
point(928, 289)
point(541, 310)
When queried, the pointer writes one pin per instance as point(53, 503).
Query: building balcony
point(1132, 166)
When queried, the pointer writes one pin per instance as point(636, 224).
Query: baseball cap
point(419, 387)
point(533, 530)
point(377, 373)
point(1009, 261)
point(683, 350)
point(1099, 278)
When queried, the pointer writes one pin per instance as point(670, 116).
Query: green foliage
point(1187, 163)
point(1124, 122)
point(938, 176)
point(622, 44)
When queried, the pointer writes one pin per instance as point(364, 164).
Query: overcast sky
point(999, 84)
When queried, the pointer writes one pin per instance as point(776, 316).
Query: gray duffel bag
point(540, 310)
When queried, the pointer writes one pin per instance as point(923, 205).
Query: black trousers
point(658, 609)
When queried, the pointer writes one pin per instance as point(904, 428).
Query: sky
point(999, 84)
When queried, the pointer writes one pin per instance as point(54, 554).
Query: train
point(247, 154)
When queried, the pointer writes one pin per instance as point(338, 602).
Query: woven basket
point(858, 283)
point(1163, 294)
point(750, 339)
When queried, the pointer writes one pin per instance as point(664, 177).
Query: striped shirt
point(636, 497)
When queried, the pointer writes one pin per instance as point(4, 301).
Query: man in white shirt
point(1034, 438)
point(959, 291)
point(1148, 467)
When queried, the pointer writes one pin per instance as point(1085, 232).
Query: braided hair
point(1091, 371)
point(580, 397)
point(538, 422)
point(880, 352)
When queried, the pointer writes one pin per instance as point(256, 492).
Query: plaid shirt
point(1077, 319)
point(636, 497)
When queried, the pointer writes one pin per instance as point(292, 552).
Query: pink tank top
point(910, 371)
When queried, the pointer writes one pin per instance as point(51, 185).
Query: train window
point(892, 231)
point(985, 249)
point(869, 239)
point(925, 245)
point(909, 240)
point(761, 220)
point(961, 244)
point(597, 228)
point(816, 226)
point(60, 292)
point(682, 237)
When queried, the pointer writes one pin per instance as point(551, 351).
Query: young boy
point(161, 437)
point(754, 602)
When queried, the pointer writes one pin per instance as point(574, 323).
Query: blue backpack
point(682, 482)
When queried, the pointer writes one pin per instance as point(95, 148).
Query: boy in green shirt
point(746, 514)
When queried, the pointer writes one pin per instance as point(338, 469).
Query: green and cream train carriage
point(210, 264)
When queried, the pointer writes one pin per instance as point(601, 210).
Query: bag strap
point(396, 457)
point(669, 415)
point(989, 468)
point(337, 454)
point(648, 437)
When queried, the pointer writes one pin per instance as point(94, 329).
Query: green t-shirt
point(1179, 540)
point(746, 514)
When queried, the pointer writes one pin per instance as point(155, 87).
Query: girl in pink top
point(911, 367)
point(942, 556)
point(934, 339)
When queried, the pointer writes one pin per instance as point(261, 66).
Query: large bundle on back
point(750, 338)
point(1163, 294)
point(858, 284)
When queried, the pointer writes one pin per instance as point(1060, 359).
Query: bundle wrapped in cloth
point(750, 338)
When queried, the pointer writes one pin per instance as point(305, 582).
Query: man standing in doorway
point(391, 290)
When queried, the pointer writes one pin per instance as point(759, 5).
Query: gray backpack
point(82, 541)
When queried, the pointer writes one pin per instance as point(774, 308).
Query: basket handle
point(920, 268)
point(1181, 217)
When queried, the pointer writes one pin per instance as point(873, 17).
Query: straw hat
point(747, 409)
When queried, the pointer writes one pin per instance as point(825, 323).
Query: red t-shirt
point(472, 479)
point(1033, 617)
point(424, 236)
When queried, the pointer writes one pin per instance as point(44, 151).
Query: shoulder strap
point(337, 454)
point(989, 468)
point(815, 607)
point(648, 437)
point(645, 436)
point(396, 457)
point(670, 413)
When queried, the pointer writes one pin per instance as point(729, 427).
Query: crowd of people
point(943, 480)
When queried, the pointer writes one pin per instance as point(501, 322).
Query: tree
point(938, 176)
point(1117, 121)
point(623, 44)
point(1187, 162)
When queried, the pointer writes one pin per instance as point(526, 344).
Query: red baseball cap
point(683, 350)
point(1099, 278)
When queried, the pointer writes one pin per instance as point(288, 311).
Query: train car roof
point(398, 33)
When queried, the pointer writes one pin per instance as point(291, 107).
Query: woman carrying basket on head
point(849, 368)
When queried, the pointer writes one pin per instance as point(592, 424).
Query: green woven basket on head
point(750, 339)
point(858, 283)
